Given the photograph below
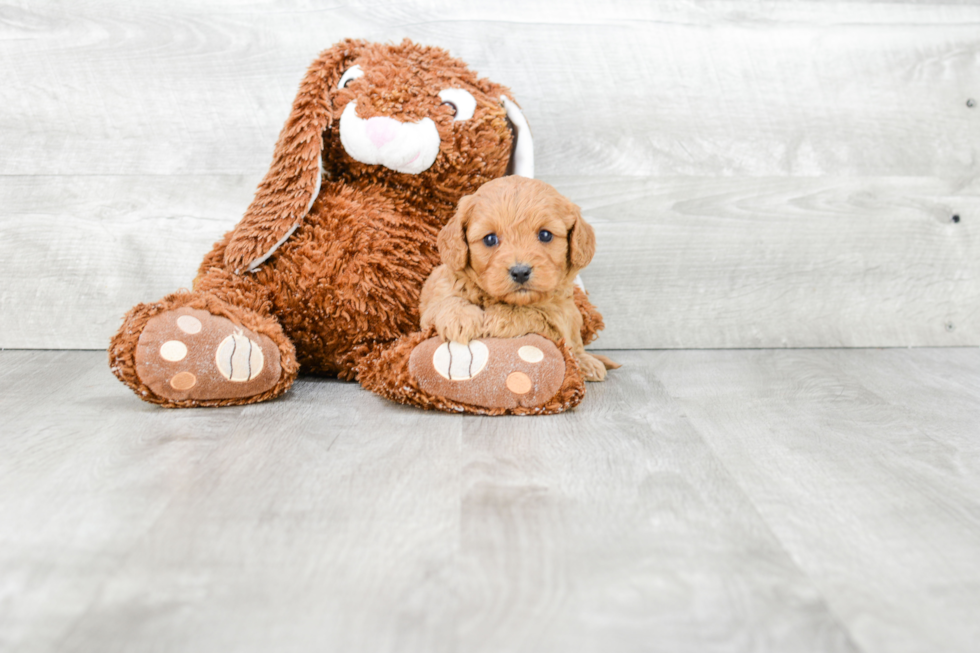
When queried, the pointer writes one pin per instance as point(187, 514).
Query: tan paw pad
point(519, 383)
point(173, 351)
point(530, 354)
point(458, 362)
point(189, 324)
point(183, 381)
point(239, 359)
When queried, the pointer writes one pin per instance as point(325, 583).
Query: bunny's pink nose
point(381, 130)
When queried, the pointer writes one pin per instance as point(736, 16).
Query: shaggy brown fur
point(474, 294)
point(335, 286)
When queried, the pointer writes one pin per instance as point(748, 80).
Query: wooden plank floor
point(785, 500)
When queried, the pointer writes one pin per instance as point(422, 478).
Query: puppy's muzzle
point(520, 273)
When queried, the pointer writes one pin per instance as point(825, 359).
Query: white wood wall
point(759, 174)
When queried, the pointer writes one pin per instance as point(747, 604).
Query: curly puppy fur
point(510, 256)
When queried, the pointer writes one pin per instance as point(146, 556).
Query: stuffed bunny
point(323, 272)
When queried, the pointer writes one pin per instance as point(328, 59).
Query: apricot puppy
point(509, 259)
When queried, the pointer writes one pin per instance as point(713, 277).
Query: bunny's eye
point(490, 240)
point(462, 103)
point(349, 76)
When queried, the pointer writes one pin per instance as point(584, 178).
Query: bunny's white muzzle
point(408, 147)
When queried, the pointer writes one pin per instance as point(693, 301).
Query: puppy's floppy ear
point(581, 237)
point(453, 248)
point(293, 182)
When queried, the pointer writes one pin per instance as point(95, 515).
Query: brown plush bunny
point(323, 272)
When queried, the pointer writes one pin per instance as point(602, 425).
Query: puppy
point(510, 255)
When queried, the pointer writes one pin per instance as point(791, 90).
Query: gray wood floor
point(785, 500)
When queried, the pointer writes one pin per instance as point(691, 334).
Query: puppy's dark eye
point(545, 236)
point(452, 107)
point(490, 240)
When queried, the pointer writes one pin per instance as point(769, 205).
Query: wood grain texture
point(871, 484)
point(615, 528)
point(79, 252)
point(636, 88)
point(760, 500)
point(681, 262)
point(129, 528)
point(823, 262)
point(786, 171)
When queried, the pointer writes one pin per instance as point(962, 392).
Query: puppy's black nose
point(520, 273)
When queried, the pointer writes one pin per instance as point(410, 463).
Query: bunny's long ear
point(293, 182)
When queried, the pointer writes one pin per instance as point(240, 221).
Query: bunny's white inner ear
point(522, 158)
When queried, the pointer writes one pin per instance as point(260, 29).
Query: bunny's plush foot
point(490, 372)
point(201, 353)
point(488, 376)
point(189, 354)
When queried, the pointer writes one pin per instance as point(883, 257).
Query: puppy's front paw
point(592, 367)
point(461, 325)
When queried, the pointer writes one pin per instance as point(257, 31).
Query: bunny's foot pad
point(189, 354)
point(494, 373)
